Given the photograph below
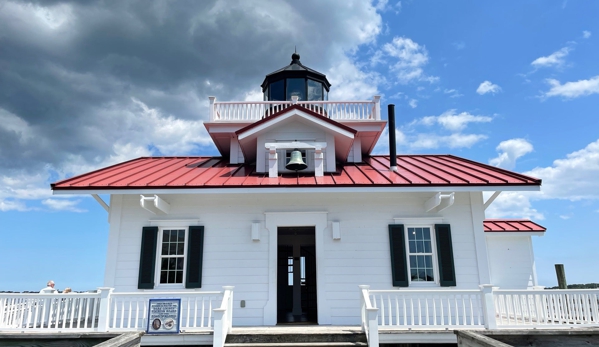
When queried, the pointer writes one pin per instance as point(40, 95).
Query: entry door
point(296, 275)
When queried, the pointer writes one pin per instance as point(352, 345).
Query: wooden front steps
point(296, 335)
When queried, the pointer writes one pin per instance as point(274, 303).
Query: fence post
point(377, 107)
point(104, 314)
point(229, 307)
point(488, 304)
point(212, 100)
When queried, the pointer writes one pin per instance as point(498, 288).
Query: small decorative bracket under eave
point(439, 202)
point(491, 199)
point(154, 204)
point(101, 202)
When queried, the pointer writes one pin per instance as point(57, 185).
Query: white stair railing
point(369, 318)
point(223, 318)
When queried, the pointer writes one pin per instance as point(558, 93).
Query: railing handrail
point(153, 293)
point(547, 291)
point(314, 102)
point(426, 291)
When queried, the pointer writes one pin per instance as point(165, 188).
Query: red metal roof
point(216, 172)
point(211, 172)
point(511, 225)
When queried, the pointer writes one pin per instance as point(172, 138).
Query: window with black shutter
point(445, 255)
point(397, 245)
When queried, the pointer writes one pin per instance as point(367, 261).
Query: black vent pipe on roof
point(391, 127)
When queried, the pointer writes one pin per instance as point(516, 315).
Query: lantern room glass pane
point(296, 86)
point(265, 94)
point(326, 94)
point(277, 90)
point(314, 91)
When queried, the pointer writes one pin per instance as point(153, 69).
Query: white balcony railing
point(519, 308)
point(489, 308)
point(106, 311)
point(251, 111)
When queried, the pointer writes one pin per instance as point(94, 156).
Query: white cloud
point(12, 205)
point(572, 178)
point(510, 151)
point(452, 121)
point(586, 34)
point(351, 83)
point(63, 205)
point(382, 146)
point(555, 59)
point(413, 103)
point(459, 45)
point(573, 89)
point(453, 93)
point(407, 59)
point(432, 141)
point(513, 205)
point(488, 87)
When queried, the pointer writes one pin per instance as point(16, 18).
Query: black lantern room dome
point(298, 80)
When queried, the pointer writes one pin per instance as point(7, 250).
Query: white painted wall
point(361, 256)
point(511, 261)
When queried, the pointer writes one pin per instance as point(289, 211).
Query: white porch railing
point(106, 311)
point(251, 111)
point(547, 308)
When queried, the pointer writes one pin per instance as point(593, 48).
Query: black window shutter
point(399, 266)
point(445, 255)
point(147, 258)
point(195, 250)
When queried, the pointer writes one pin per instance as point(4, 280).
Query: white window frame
point(436, 282)
point(157, 284)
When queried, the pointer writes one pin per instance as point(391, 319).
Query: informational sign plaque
point(163, 316)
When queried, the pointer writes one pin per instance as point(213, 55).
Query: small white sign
point(163, 316)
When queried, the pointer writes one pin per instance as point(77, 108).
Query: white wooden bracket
point(439, 202)
point(336, 231)
point(491, 199)
point(101, 202)
point(154, 204)
point(255, 231)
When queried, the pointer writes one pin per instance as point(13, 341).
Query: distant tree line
point(579, 286)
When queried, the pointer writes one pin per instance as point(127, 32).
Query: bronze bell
point(295, 162)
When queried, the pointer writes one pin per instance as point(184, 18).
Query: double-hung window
point(421, 255)
point(171, 257)
point(171, 260)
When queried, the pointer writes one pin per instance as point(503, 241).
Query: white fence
point(519, 308)
point(106, 311)
point(252, 111)
point(49, 311)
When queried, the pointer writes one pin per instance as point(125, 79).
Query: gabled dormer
point(295, 115)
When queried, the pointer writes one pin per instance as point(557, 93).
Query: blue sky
point(82, 86)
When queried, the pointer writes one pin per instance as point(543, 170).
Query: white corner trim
point(491, 199)
point(154, 204)
point(101, 202)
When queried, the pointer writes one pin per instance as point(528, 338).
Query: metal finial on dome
point(295, 57)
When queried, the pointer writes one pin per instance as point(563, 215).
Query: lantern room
point(298, 80)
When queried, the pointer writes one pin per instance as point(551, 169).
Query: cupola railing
point(251, 111)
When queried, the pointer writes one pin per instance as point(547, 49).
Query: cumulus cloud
point(586, 34)
point(413, 103)
point(571, 90)
point(406, 58)
point(488, 87)
point(432, 141)
point(452, 93)
point(555, 59)
point(509, 152)
point(87, 84)
point(571, 178)
point(453, 121)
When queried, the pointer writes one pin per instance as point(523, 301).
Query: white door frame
point(274, 220)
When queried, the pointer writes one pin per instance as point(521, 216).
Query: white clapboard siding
point(361, 256)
